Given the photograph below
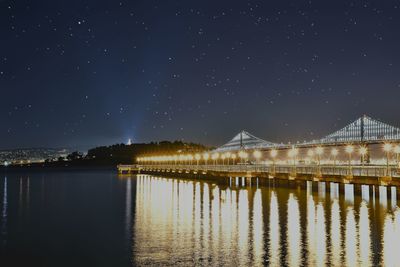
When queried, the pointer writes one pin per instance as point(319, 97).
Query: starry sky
point(83, 73)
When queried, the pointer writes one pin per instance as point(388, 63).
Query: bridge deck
point(368, 175)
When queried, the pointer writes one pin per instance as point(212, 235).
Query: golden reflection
point(197, 215)
point(349, 192)
point(201, 223)
point(364, 236)
point(215, 222)
point(274, 231)
point(391, 239)
point(258, 230)
point(365, 192)
point(382, 195)
point(351, 238)
point(320, 236)
point(392, 197)
point(243, 227)
point(293, 231)
point(316, 231)
point(311, 243)
point(334, 190)
point(336, 239)
point(321, 190)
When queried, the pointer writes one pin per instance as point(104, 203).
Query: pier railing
point(325, 170)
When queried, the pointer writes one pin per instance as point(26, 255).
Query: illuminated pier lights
point(206, 158)
point(316, 156)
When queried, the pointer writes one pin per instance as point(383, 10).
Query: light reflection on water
point(189, 222)
point(145, 220)
point(4, 213)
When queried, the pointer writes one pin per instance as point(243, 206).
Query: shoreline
point(40, 168)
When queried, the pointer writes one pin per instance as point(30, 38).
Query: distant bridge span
point(364, 130)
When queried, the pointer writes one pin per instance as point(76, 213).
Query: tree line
point(127, 154)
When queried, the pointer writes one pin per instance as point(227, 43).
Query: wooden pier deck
point(362, 175)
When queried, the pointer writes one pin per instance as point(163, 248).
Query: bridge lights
point(181, 158)
point(223, 159)
point(243, 155)
point(274, 153)
point(349, 150)
point(293, 152)
point(206, 156)
point(319, 151)
point(310, 153)
point(334, 153)
point(190, 158)
point(363, 153)
point(257, 155)
point(228, 156)
point(197, 158)
point(397, 151)
point(215, 157)
point(387, 148)
point(233, 157)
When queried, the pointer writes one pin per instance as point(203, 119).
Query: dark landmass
point(110, 156)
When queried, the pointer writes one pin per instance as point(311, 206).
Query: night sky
point(83, 73)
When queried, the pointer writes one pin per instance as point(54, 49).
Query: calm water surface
point(95, 218)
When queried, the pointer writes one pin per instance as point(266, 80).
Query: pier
point(365, 152)
point(362, 175)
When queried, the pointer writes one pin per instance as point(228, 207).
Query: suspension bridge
point(365, 151)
